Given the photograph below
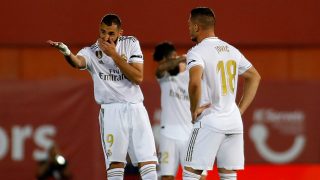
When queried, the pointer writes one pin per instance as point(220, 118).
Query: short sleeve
point(193, 59)
point(136, 55)
point(244, 65)
point(85, 52)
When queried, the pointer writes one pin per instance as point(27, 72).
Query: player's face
point(175, 70)
point(172, 55)
point(192, 30)
point(110, 33)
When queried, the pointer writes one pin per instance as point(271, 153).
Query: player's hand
point(108, 47)
point(61, 47)
point(182, 58)
point(198, 112)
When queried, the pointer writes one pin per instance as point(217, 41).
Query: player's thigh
point(114, 133)
point(202, 148)
point(142, 146)
point(182, 145)
point(182, 150)
point(231, 153)
point(168, 156)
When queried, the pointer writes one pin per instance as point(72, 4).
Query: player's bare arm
point(168, 64)
point(251, 84)
point(195, 74)
point(133, 71)
point(75, 61)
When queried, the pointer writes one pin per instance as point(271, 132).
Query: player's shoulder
point(230, 46)
point(94, 47)
point(199, 47)
point(90, 51)
point(91, 48)
point(128, 39)
point(194, 50)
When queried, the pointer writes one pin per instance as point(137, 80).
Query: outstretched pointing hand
point(61, 47)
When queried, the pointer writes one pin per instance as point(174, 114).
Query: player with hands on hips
point(214, 67)
point(115, 63)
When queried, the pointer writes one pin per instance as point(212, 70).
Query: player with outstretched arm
point(115, 63)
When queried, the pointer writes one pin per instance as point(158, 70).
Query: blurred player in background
point(214, 66)
point(115, 63)
point(175, 120)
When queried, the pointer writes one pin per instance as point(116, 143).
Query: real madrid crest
point(99, 54)
point(109, 153)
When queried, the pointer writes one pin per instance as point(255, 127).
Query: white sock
point(115, 174)
point(187, 175)
point(148, 172)
point(229, 176)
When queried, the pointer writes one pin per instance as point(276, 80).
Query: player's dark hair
point(111, 18)
point(203, 16)
point(163, 50)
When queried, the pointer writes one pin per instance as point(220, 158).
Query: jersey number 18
point(227, 78)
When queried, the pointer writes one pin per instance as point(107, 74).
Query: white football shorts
point(205, 145)
point(171, 154)
point(125, 127)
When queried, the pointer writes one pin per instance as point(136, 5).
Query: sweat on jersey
point(221, 63)
point(175, 106)
point(110, 84)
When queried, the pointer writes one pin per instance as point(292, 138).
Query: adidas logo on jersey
point(101, 62)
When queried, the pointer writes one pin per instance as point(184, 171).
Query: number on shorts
point(110, 139)
point(231, 74)
point(164, 157)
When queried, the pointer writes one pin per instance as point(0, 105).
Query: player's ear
point(196, 27)
point(121, 32)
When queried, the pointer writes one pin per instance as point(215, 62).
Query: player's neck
point(204, 35)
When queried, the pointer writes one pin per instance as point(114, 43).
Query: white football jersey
point(175, 106)
point(221, 63)
point(110, 84)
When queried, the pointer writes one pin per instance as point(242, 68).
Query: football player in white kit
point(115, 63)
point(175, 118)
point(214, 66)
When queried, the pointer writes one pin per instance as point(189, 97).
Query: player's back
point(220, 62)
point(175, 106)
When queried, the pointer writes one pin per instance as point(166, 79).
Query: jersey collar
point(212, 38)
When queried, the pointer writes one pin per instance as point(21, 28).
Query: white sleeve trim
point(195, 64)
point(85, 68)
point(246, 69)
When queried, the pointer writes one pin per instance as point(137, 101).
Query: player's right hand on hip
point(198, 112)
point(62, 47)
